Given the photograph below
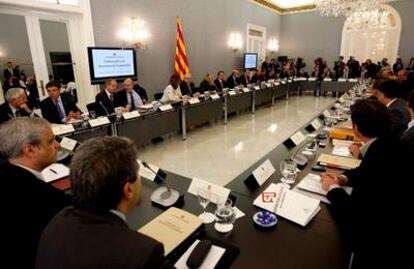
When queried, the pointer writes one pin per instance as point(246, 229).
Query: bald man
point(129, 98)
point(187, 86)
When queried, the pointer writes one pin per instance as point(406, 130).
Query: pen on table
point(53, 171)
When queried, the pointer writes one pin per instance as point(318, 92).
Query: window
point(365, 41)
point(256, 41)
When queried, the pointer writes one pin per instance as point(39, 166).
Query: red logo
point(267, 197)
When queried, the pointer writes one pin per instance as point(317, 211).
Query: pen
point(53, 171)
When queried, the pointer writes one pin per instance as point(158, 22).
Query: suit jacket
point(29, 204)
point(103, 98)
point(231, 82)
point(49, 108)
point(220, 86)
point(205, 86)
point(7, 114)
point(77, 238)
point(243, 80)
point(123, 98)
point(141, 92)
point(400, 117)
point(407, 137)
point(360, 215)
point(185, 90)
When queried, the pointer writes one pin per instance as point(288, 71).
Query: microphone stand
point(164, 195)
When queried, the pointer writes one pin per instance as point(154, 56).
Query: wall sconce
point(235, 42)
point(273, 45)
point(134, 34)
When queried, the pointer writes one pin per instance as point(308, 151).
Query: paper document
point(338, 161)
point(288, 204)
point(312, 183)
point(55, 171)
point(172, 227)
point(211, 260)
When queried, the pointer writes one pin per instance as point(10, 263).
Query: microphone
point(164, 195)
point(104, 108)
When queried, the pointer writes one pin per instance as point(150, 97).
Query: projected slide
point(113, 63)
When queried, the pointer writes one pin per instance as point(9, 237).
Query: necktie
point(17, 113)
point(132, 101)
point(111, 97)
point(59, 110)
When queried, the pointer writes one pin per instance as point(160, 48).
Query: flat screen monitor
point(106, 63)
point(250, 61)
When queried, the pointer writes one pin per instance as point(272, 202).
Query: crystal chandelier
point(347, 7)
point(373, 19)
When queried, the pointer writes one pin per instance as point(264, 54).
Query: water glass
point(225, 216)
point(204, 198)
point(92, 114)
point(288, 170)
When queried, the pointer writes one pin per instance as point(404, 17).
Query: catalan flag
point(181, 62)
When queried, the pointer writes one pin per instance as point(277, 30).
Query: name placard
point(166, 107)
point(246, 90)
point(326, 113)
point(131, 115)
point(99, 121)
point(298, 138)
point(232, 93)
point(327, 79)
point(263, 172)
point(63, 129)
point(218, 193)
point(311, 79)
point(147, 173)
point(215, 96)
point(68, 144)
point(194, 100)
point(316, 124)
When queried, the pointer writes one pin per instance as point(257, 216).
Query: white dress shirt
point(137, 99)
point(171, 95)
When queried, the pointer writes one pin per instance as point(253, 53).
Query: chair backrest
point(158, 95)
point(91, 107)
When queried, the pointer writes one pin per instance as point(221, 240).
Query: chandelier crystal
point(347, 7)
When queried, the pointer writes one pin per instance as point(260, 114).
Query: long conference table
point(179, 119)
point(318, 245)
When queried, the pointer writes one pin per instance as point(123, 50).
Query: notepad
point(338, 161)
point(288, 204)
point(172, 227)
point(54, 172)
point(312, 183)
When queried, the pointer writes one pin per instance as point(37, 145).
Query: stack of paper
point(338, 161)
point(55, 171)
point(312, 184)
point(288, 204)
point(341, 147)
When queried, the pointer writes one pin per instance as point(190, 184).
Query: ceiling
point(286, 6)
point(291, 3)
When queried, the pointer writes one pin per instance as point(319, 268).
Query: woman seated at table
point(207, 84)
point(172, 92)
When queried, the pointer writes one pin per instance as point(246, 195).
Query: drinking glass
point(288, 170)
point(92, 113)
point(225, 216)
point(204, 198)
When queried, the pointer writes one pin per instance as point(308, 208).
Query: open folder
point(288, 204)
point(172, 227)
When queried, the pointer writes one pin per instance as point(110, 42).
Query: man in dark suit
point(29, 202)
point(354, 68)
point(187, 86)
point(94, 233)
point(8, 72)
point(244, 79)
point(129, 98)
point(232, 79)
point(407, 136)
point(33, 99)
point(15, 105)
point(57, 108)
point(220, 81)
point(360, 215)
point(400, 117)
point(141, 92)
point(107, 100)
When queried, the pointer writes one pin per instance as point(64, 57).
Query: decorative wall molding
point(280, 10)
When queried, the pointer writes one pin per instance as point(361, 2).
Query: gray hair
point(20, 131)
point(13, 93)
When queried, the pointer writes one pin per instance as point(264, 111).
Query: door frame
point(78, 20)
